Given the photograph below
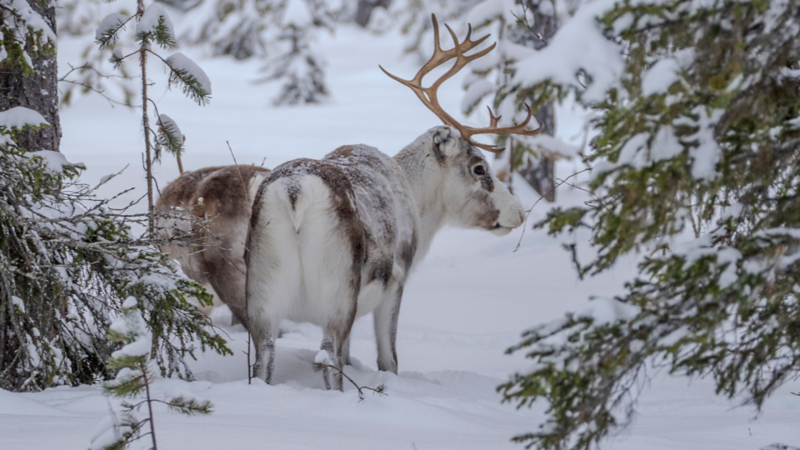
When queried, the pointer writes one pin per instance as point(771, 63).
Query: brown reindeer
point(221, 197)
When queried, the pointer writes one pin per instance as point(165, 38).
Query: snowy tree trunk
point(365, 8)
point(37, 91)
point(540, 173)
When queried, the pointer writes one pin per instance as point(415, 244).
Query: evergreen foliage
point(154, 26)
point(237, 28)
point(696, 165)
point(77, 19)
point(134, 378)
point(295, 62)
point(279, 32)
point(68, 259)
point(520, 29)
point(299, 67)
point(28, 65)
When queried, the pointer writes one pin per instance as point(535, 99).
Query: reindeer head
point(473, 196)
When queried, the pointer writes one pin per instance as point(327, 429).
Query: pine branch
point(109, 36)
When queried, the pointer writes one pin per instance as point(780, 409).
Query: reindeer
point(337, 238)
point(222, 197)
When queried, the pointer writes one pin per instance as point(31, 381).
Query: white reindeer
point(337, 238)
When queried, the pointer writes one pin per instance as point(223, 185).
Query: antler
point(428, 95)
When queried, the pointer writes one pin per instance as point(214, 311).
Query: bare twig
point(541, 197)
point(238, 169)
point(379, 390)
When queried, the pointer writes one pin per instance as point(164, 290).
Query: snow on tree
point(230, 27)
point(296, 63)
point(519, 28)
point(279, 32)
point(94, 73)
point(135, 374)
point(413, 18)
point(27, 57)
point(154, 26)
point(365, 9)
point(696, 166)
point(68, 261)
point(69, 258)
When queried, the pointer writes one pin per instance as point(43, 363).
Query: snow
point(578, 46)
point(20, 116)
point(132, 324)
point(148, 23)
point(106, 433)
point(475, 92)
point(185, 395)
point(108, 24)
point(321, 357)
point(706, 153)
point(665, 144)
point(487, 9)
point(605, 311)
point(131, 301)
point(297, 13)
point(179, 61)
point(16, 301)
point(660, 77)
point(32, 19)
point(554, 145)
point(170, 126)
point(465, 304)
point(53, 161)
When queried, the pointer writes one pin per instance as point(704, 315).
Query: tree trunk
point(365, 8)
point(540, 173)
point(38, 91)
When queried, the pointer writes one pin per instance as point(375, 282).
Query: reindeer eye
point(479, 170)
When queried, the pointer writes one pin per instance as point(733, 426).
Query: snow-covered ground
point(467, 302)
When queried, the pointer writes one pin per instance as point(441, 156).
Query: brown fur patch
point(381, 270)
point(486, 179)
point(227, 206)
point(488, 218)
point(407, 251)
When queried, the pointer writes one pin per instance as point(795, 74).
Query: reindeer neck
point(424, 175)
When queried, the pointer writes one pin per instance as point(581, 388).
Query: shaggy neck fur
point(424, 175)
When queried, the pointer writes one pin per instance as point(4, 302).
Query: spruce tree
point(133, 382)
point(282, 33)
point(68, 258)
point(28, 62)
point(296, 63)
point(696, 167)
point(93, 73)
point(519, 29)
point(154, 26)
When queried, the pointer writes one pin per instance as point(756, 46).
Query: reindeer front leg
point(385, 319)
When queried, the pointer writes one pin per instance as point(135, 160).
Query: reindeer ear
point(446, 141)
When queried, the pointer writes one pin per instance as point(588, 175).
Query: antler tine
point(467, 44)
point(428, 95)
point(488, 147)
point(492, 119)
point(519, 129)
